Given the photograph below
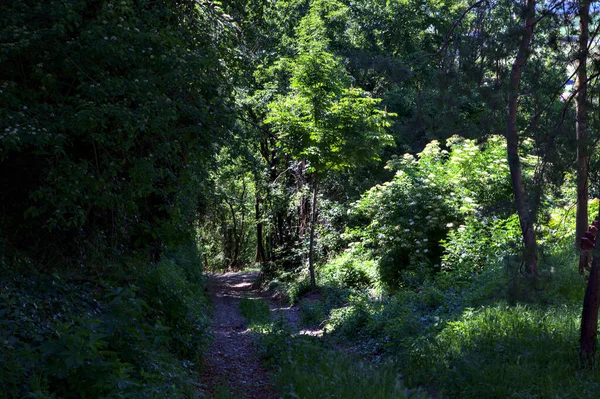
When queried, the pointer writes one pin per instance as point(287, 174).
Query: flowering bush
point(412, 221)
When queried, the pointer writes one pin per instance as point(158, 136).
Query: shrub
point(349, 270)
point(181, 305)
point(256, 311)
point(478, 242)
point(408, 223)
point(80, 338)
point(312, 312)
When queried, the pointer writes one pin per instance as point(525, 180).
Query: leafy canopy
point(322, 118)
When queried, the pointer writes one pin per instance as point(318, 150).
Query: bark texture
point(589, 316)
point(512, 141)
point(582, 133)
point(313, 221)
point(260, 248)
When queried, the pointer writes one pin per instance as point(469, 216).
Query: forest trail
point(232, 363)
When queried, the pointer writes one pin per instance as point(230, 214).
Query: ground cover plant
point(307, 368)
point(65, 337)
point(458, 324)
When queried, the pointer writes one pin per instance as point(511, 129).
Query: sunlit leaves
point(406, 220)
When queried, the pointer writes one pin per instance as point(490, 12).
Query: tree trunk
point(311, 266)
point(260, 248)
point(512, 143)
point(581, 128)
point(589, 316)
point(303, 205)
point(236, 244)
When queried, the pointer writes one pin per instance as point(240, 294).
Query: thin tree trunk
point(303, 205)
point(589, 316)
point(512, 143)
point(581, 128)
point(236, 244)
point(311, 266)
point(242, 238)
point(260, 248)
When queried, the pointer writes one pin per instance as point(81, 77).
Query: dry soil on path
point(232, 363)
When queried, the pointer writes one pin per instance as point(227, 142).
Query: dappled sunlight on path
point(231, 362)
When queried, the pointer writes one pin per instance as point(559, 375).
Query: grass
point(310, 370)
point(476, 339)
point(494, 335)
point(522, 351)
point(256, 311)
point(307, 367)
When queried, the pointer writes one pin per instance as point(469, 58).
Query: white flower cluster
point(17, 130)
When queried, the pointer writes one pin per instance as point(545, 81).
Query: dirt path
point(231, 363)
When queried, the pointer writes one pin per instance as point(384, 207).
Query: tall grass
point(307, 367)
point(310, 371)
point(474, 338)
point(502, 351)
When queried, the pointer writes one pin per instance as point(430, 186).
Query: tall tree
point(115, 112)
point(512, 141)
point(322, 119)
point(591, 300)
point(582, 132)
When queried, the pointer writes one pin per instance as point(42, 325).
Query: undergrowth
point(306, 367)
point(494, 334)
point(76, 338)
point(520, 351)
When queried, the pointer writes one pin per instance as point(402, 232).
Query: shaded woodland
point(418, 178)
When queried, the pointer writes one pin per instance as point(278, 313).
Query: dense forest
point(417, 179)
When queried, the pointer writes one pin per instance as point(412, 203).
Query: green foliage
point(111, 114)
point(309, 369)
point(479, 242)
point(354, 317)
point(312, 312)
point(321, 118)
point(349, 270)
point(458, 335)
point(228, 223)
point(565, 285)
point(330, 131)
point(173, 289)
point(414, 223)
point(255, 310)
point(74, 339)
point(469, 356)
point(295, 289)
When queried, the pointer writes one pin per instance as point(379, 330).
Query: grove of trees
point(428, 167)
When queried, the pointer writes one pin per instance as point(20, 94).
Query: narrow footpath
point(232, 363)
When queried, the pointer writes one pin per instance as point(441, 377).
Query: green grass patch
point(522, 351)
point(307, 367)
point(310, 370)
point(256, 311)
